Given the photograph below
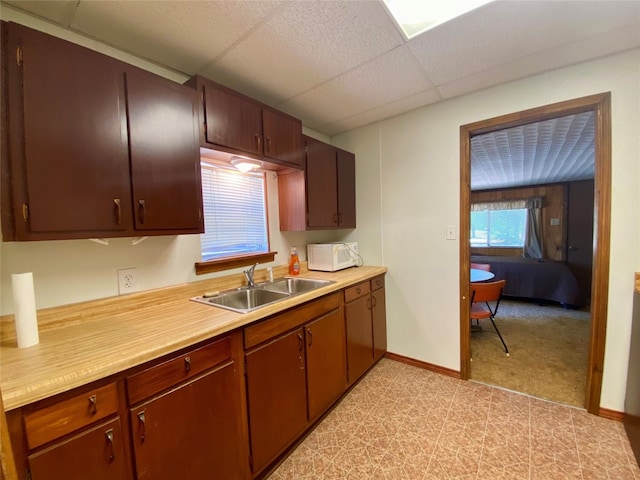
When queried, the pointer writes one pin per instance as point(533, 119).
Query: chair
point(482, 295)
point(481, 266)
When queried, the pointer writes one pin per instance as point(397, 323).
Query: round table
point(480, 275)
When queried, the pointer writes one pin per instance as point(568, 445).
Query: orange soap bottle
point(294, 263)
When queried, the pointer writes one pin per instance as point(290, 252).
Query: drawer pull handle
point(358, 291)
point(93, 407)
point(310, 334)
point(301, 350)
point(142, 420)
point(368, 303)
point(142, 209)
point(118, 208)
point(375, 301)
point(187, 364)
point(112, 453)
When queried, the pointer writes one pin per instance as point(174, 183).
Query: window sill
point(227, 263)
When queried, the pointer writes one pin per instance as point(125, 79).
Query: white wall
point(419, 161)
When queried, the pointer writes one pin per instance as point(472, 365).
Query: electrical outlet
point(127, 281)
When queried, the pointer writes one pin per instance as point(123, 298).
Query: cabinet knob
point(93, 407)
point(112, 452)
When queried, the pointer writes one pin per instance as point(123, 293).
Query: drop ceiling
point(338, 65)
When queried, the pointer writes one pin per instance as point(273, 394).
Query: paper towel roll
point(24, 307)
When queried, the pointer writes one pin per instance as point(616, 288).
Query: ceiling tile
point(183, 35)
point(304, 45)
point(60, 12)
point(501, 32)
point(594, 47)
point(390, 77)
point(382, 112)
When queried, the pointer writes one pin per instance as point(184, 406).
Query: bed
point(547, 280)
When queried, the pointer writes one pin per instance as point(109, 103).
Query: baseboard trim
point(424, 365)
point(611, 414)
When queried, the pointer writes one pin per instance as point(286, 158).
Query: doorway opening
point(600, 105)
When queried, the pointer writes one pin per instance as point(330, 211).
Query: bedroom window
point(498, 228)
point(234, 211)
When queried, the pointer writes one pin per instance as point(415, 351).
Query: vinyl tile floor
point(405, 423)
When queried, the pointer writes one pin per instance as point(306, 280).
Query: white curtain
point(533, 238)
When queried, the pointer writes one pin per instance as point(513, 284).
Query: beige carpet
point(548, 348)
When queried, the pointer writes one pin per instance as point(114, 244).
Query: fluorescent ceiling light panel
point(415, 17)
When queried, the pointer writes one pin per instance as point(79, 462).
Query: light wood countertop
point(85, 342)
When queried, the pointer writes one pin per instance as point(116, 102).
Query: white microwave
point(329, 257)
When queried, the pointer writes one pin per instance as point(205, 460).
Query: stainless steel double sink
point(247, 299)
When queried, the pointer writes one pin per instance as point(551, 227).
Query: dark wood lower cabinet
point(277, 396)
point(359, 336)
point(326, 362)
point(191, 432)
point(379, 317)
point(95, 454)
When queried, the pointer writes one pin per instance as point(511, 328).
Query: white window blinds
point(234, 211)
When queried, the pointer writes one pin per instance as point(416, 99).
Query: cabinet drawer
point(56, 420)
point(377, 283)
point(356, 291)
point(178, 369)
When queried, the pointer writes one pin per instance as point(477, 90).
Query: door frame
point(600, 104)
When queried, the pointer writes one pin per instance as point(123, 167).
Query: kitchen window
point(235, 218)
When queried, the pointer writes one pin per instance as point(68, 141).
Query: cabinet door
point(232, 120)
point(346, 166)
point(321, 182)
point(68, 138)
point(379, 316)
point(282, 137)
point(326, 361)
point(97, 454)
point(359, 336)
point(165, 155)
point(277, 395)
point(193, 431)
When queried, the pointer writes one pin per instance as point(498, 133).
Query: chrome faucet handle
point(248, 273)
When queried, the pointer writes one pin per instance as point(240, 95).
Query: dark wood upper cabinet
point(322, 184)
point(322, 197)
point(80, 125)
point(239, 125)
point(282, 137)
point(346, 168)
point(67, 138)
point(232, 120)
point(165, 166)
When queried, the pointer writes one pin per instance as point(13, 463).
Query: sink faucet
point(248, 273)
